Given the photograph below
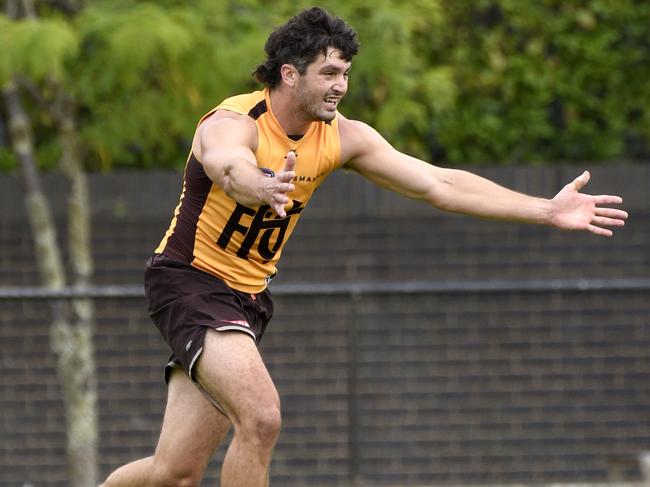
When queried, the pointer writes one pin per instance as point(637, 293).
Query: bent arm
point(224, 147)
point(463, 192)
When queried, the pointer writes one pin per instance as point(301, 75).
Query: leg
point(191, 431)
point(231, 370)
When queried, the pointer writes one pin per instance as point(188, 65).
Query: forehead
point(333, 58)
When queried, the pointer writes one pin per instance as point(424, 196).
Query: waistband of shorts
point(162, 260)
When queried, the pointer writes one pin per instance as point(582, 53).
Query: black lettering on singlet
point(263, 224)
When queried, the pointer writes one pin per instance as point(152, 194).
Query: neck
point(288, 113)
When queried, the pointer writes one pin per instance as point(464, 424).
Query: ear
point(289, 74)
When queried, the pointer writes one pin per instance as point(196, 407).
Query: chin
point(325, 116)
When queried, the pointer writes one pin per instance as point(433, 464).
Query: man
point(255, 161)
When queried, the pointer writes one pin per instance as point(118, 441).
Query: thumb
point(580, 181)
point(291, 161)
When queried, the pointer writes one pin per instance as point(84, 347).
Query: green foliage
point(129, 80)
point(547, 80)
point(501, 81)
point(168, 65)
point(36, 48)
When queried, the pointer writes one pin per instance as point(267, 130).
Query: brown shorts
point(183, 302)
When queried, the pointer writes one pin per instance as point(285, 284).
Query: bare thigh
point(231, 370)
point(191, 431)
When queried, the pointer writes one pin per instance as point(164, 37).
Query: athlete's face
point(322, 86)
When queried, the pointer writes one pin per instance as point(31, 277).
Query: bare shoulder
point(225, 126)
point(358, 139)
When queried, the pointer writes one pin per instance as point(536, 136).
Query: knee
point(164, 476)
point(263, 425)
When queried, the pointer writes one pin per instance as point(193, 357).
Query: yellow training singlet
point(235, 243)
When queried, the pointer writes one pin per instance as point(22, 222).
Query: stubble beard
point(313, 109)
point(324, 115)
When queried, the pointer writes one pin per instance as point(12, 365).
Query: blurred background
point(409, 347)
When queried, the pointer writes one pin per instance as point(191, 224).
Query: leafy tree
point(449, 80)
point(546, 80)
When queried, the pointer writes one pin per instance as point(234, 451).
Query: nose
point(341, 85)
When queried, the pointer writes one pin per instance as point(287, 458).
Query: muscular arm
point(463, 192)
point(224, 145)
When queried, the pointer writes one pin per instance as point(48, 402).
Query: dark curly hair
point(301, 39)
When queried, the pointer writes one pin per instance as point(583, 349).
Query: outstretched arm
point(464, 192)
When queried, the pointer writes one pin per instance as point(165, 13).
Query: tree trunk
point(48, 256)
point(72, 343)
point(77, 362)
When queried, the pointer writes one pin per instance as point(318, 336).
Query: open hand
point(573, 210)
point(277, 187)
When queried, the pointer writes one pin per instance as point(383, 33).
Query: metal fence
point(356, 288)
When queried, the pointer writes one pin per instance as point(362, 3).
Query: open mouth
point(331, 102)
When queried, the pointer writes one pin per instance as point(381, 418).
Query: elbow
point(222, 176)
point(218, 173)
point(232, 177)
point(440, 203)
point(238, 185)
point(224, 179)
point(439, 194)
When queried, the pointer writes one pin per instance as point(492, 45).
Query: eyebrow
point(334, 67)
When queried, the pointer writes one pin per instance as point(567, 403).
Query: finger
point(286, 177)
point(579, 182)
point(279, 209)
point(291, 161)
point(285, 188)
point(280, 198)
point(612, 213)
point(607, 222)
point(603, 232)
point(605, 199)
